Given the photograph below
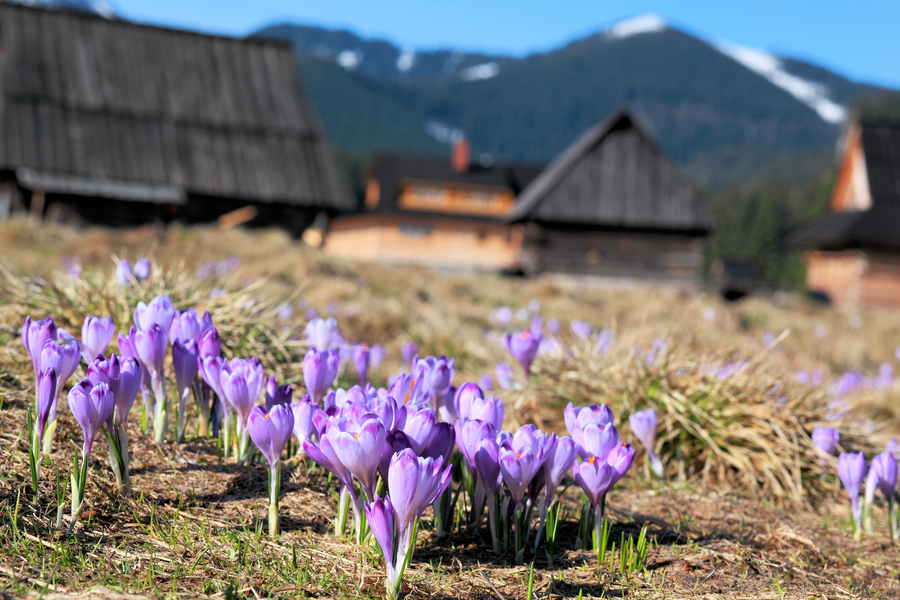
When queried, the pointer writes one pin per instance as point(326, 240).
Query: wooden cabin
point(437, 212)
point(853, 254)
point(613, 205)
point(112, 122)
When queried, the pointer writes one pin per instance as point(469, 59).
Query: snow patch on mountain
point(406, 60)
point(349, 59)
point(648, 23)
point(814, 95)
point(97, 7)
point(482, 71)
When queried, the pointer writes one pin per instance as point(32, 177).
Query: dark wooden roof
point(878, 226)
point(881, 148)
point(103, 107)
point(392, 170)
point(613, 175)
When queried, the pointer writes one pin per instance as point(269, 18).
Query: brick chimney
point(460, 157)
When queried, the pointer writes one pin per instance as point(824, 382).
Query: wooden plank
point(228, 98)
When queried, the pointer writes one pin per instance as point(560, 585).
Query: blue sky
point(859, 40)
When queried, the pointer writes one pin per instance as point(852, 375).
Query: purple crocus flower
point(142, 269)
point(150, 346)
point(581, 329)
point(270, 430)
point(34, 335)
point(276, 394)
point(620, 459)
point(643, 424)
point(826, 439)
point(523, 346)
point(885, 465)
point(127, 387)
point(490, 410)
point(322, 333)
point(558, 460)
point(381, 520)
point(851, 470)
point(605, 340)
point(210, 343)
point(519, 463)
point(407, 391)
point(185, 361)
point(124, 272)
point(242, 382)
point(361, 358)
point(414, 483)
point(160, 312)
point(577, 417)
point(91, 405)
point(187, 324)
point(61, 357)
point(376, 356)
point(485, 382)
point(418, 428)
point(462, 399)
point(46, 401)
point(96, 334)
point(504, 376)
point(409, 350)
point(358, 446)
point(320, 367)
point(595, 477)
point(436, 375)
point(303, 410)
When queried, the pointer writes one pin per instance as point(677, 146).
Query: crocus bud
point(490, 410)
point(129, 383)
point(885, 465)
point(303, 410)
point(62, 358)
point(436, 375)
point(409, 351)
point(242, 382)
point(46, 399)
point(361, 358)
point(34, 335)
point(150, 345)
point(581, 329)
point(643, 424)
point(142, 269)
point(185, 362)
point(160, 312)
point(276, 394)
point(415, 483)
point(270, 430)
point(462, 400)
point(826, 439)
point(376, 356)
point(380, 518)
point(851, 470)
point(523, 346)
point(558, 460)
point(504, 376)
point(124, 273)
point(91, 405)
point(319, 370)
point(210, 344)
point(188, 325)
point(419, 427)
point(96, 334)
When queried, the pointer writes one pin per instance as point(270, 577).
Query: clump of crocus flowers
point(391, 449)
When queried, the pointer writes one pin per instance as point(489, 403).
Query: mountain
point(95, 7)
point(722, 112)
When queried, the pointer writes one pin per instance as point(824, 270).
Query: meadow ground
point(743, 513)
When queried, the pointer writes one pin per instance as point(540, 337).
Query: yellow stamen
point(267, 416)
point(591, 459)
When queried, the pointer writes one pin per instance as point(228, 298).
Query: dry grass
point(745, 516)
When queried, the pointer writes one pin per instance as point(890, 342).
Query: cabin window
point(413, 230)
point(478, 200)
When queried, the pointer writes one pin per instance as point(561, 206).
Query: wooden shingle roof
point(102, 107)
point(878, 226)
point(613, 175)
